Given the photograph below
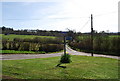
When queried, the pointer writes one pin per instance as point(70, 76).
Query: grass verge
point(81, 67)
point(20, 52)
point(26, 52)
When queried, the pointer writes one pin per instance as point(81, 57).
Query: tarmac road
point(31, 56)
point(73, 52)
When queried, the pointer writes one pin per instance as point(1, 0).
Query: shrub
point(37, 40)
point(18, 39)
point(50, 47)
point(25, 46)
point(27, 40)
point(101, 44)
point(35, 44)
point(4, 44)
point(65, 58)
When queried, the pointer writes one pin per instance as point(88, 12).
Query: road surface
point(31, 56)
point(73, 52)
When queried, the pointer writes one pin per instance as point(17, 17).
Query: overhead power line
point(85, 24)
point(81, 17)
point(113, 12)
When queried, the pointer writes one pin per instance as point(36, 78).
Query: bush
point(4, 44)
point(36, 44)
point(47, 40)
point(18, 39)
point(101, 44)
point(25, 46)
point(65, 58)
point(51, 47)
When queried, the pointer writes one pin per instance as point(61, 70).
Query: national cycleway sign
point(68, 38)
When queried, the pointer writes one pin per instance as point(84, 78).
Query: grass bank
point(81, 67)
point(25, 52)
point(20, 52)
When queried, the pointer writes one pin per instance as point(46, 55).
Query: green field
point(83, 37)
point(12, 36)
point(114, 36)
point(81, 67)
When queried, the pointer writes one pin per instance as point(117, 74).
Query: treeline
point(37, 44)
point(101, 44)
point(7, 31)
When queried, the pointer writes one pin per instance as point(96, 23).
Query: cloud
point(73, 14)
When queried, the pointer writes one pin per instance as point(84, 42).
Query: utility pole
point(91, 35)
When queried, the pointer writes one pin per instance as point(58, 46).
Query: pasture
point(12, 36)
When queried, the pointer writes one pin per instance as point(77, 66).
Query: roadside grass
point(81, 67)
point(20, 52)
point(12, 36)
point(25, 52)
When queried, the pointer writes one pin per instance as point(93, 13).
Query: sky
point(60, 14)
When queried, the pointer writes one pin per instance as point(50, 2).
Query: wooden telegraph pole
point(91, 35)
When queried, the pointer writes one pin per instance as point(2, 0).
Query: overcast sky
point(60, 14)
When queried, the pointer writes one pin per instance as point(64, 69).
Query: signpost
point(64, 45)
point(65, 42)
point(66, 38)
